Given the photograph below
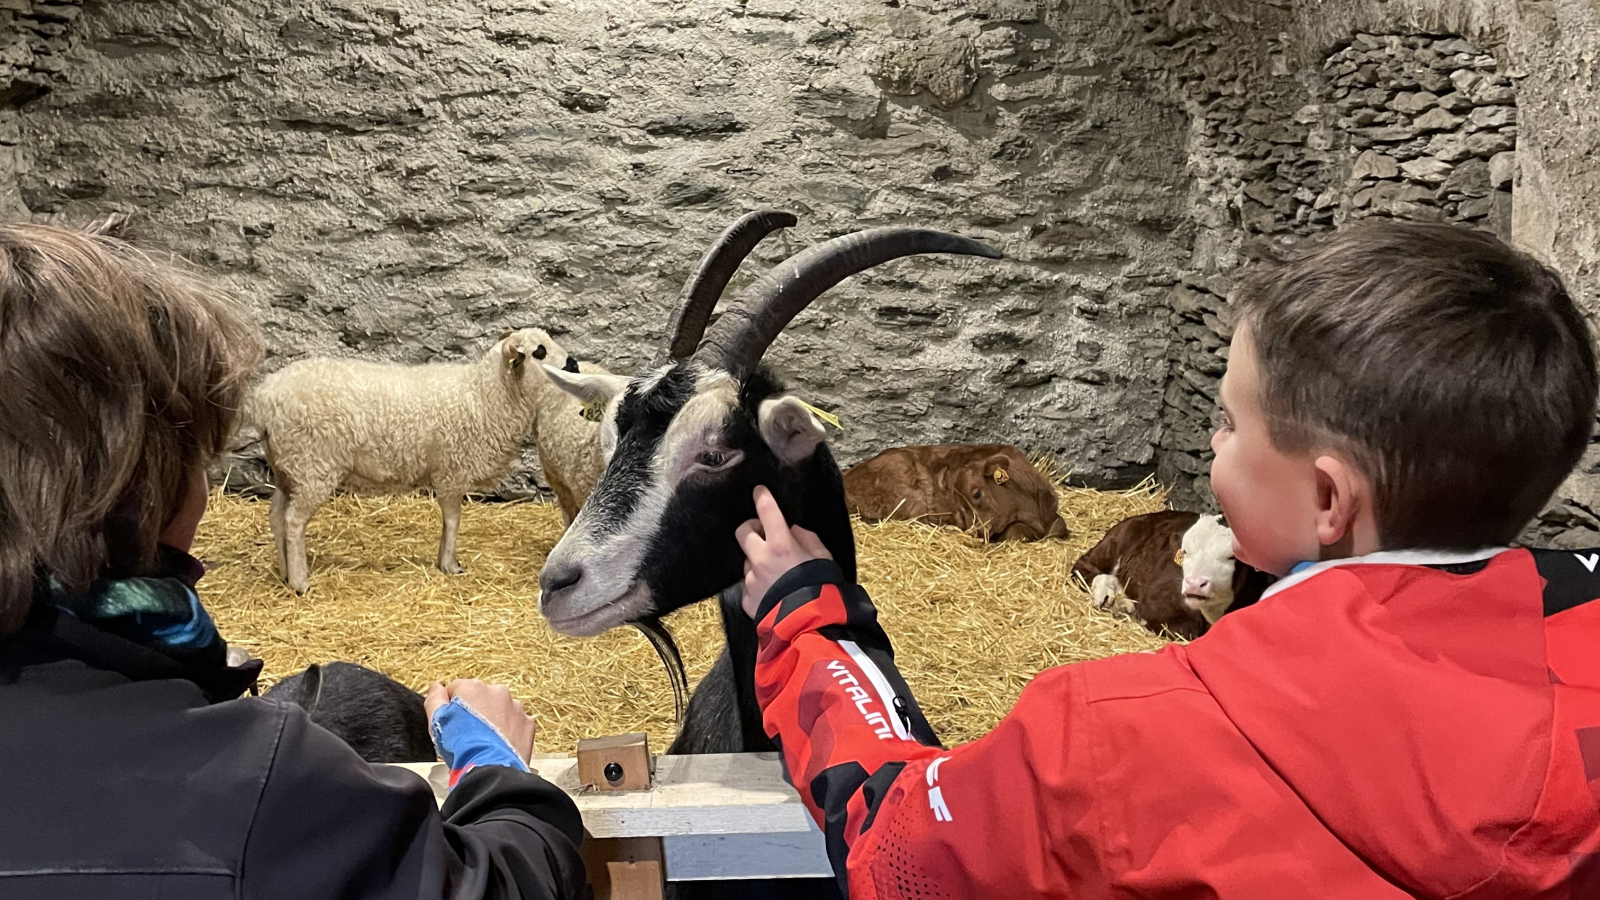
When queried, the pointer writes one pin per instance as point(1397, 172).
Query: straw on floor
point(972, 622)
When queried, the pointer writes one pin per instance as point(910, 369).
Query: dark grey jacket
point(120, 779)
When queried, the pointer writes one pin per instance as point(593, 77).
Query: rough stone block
point(1389, 134)
point(1502, 169)
point(1456, 45)
point(1450, 147)
point(1465, 80)
point(1476, 209)
point(1427, 169)
point(1492, 116)
point(1413, 102)
point(1372, 164)
point(1433, 80)
point(1456, 102)
point(1470, 178)
point(1494, 94)
point(1488, 143)
point(1438, 120)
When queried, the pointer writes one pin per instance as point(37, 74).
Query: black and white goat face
point(685, 448)
point(687, 442)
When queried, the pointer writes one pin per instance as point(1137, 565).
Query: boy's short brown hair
point(1455, 371)
point(119, 376)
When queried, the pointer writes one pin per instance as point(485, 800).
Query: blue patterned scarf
point(161, 614)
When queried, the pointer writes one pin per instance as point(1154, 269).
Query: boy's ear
point(1344, 501)
point(790, 429)
point(588, 387)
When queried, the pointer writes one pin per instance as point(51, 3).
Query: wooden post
point(625, 868)
point(618, 763)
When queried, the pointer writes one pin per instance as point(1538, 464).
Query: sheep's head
point(516, 348)
point(1211, 575)
point(687, 442)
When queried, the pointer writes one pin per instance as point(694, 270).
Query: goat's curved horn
point(704, 288)
point(758, 315)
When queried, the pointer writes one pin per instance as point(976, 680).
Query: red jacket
point(1374, 728)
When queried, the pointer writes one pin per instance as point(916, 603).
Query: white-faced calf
point(1171, 570)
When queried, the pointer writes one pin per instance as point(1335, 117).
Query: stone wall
point(33, 38)
point(404, 180)
point(1414, 126)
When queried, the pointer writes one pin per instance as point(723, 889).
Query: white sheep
point(327, 424)
point(569, 443)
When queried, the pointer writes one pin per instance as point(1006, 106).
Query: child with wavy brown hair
point(129, 764)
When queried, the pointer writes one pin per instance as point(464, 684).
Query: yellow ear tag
point(1001, 476)
point(594, 411)
point(830, 418)
point(1178, 557)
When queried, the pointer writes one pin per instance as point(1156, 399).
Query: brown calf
point(1172, 570)
point(989, 488)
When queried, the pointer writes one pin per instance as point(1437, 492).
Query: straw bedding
point(972, 623)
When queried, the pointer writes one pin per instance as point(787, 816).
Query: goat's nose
point(553, 580)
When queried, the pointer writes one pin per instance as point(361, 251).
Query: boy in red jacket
point(1414, 711)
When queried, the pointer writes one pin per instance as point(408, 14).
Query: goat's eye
point(711, 458)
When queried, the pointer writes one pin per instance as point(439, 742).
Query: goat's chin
point(590, 619)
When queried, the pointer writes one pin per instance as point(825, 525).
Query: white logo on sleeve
point(941, 812)
point(863, 700)
point(1588, 561)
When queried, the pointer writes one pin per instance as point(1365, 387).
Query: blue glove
point(465, 739)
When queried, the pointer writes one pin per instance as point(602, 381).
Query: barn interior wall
point(407, 179)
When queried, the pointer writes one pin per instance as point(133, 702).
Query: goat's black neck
point(815, 501)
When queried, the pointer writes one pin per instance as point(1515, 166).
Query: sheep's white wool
point(385, 427)
point(569, 445)
point(1208, 561)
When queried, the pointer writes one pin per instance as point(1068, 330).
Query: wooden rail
point(717, 816)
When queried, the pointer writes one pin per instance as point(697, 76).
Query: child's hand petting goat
point(772, 547)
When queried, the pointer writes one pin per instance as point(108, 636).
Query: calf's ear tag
point(1178, 557)
point(594, 410)
point(1001, 476)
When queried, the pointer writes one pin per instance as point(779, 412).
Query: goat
point(991, 488)
point(686, 443)
point(380, 718)
point(370, 426)
point(1171, 570)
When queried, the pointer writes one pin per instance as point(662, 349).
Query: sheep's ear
point(790, 429)
point(514, 356)
point(588, 387)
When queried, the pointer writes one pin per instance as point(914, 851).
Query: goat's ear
point(588, 387)
point(790, 429)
